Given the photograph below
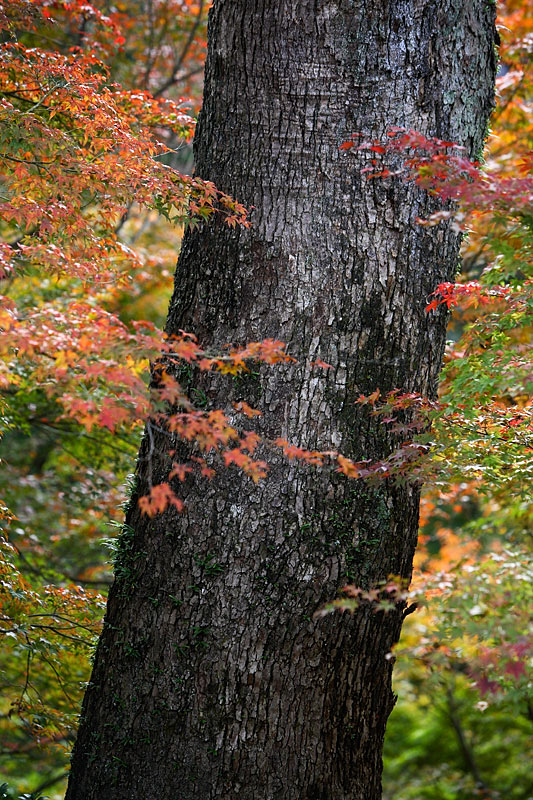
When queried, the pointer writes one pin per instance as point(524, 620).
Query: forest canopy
point(98, 109)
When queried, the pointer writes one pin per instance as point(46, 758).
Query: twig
point(46, 784)
point(464, 744)
point(186, 47)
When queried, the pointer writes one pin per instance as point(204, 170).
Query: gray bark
point(212, 678)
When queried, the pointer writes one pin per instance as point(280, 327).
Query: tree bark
point(212, 678)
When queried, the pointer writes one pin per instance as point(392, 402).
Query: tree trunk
point(212, 678)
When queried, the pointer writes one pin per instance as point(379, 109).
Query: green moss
point(131, 650)
point(125, 556)
point(208, 565)
point(130, 486)
point(247, 385)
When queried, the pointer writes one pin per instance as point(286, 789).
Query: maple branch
point(81, 32)
point(45, 97)
point(410, 610)
point(16, 94)
point(64, 619)
point(16, 242)
point(26, 160)
point(59, 632)
point(87, 581)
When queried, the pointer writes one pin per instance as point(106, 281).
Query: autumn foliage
point(95, 191)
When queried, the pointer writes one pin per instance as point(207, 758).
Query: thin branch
point(69, 432)
point(154, 47)
point(27, 747)
point(181, 58)
point(150, 61)
point(58, 676)
point(28, 663)
point(124, 218)
point(48, 782)
point(37, 571)
point(464, 744)
point(71, 622)
point(34, 162)
point(190, 74)
point(59, 632)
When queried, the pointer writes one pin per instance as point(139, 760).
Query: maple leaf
point(112, 415)
point(179, 471)
point(243, 407)
point(158, 499)
point(515, 668)
point(229, 367)
point(368, 399)
point(486, 686)
point(256, 470)
point(348, 467)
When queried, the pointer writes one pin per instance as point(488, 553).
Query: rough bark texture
point(212, 678)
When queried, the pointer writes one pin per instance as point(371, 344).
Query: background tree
point(211, 676)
